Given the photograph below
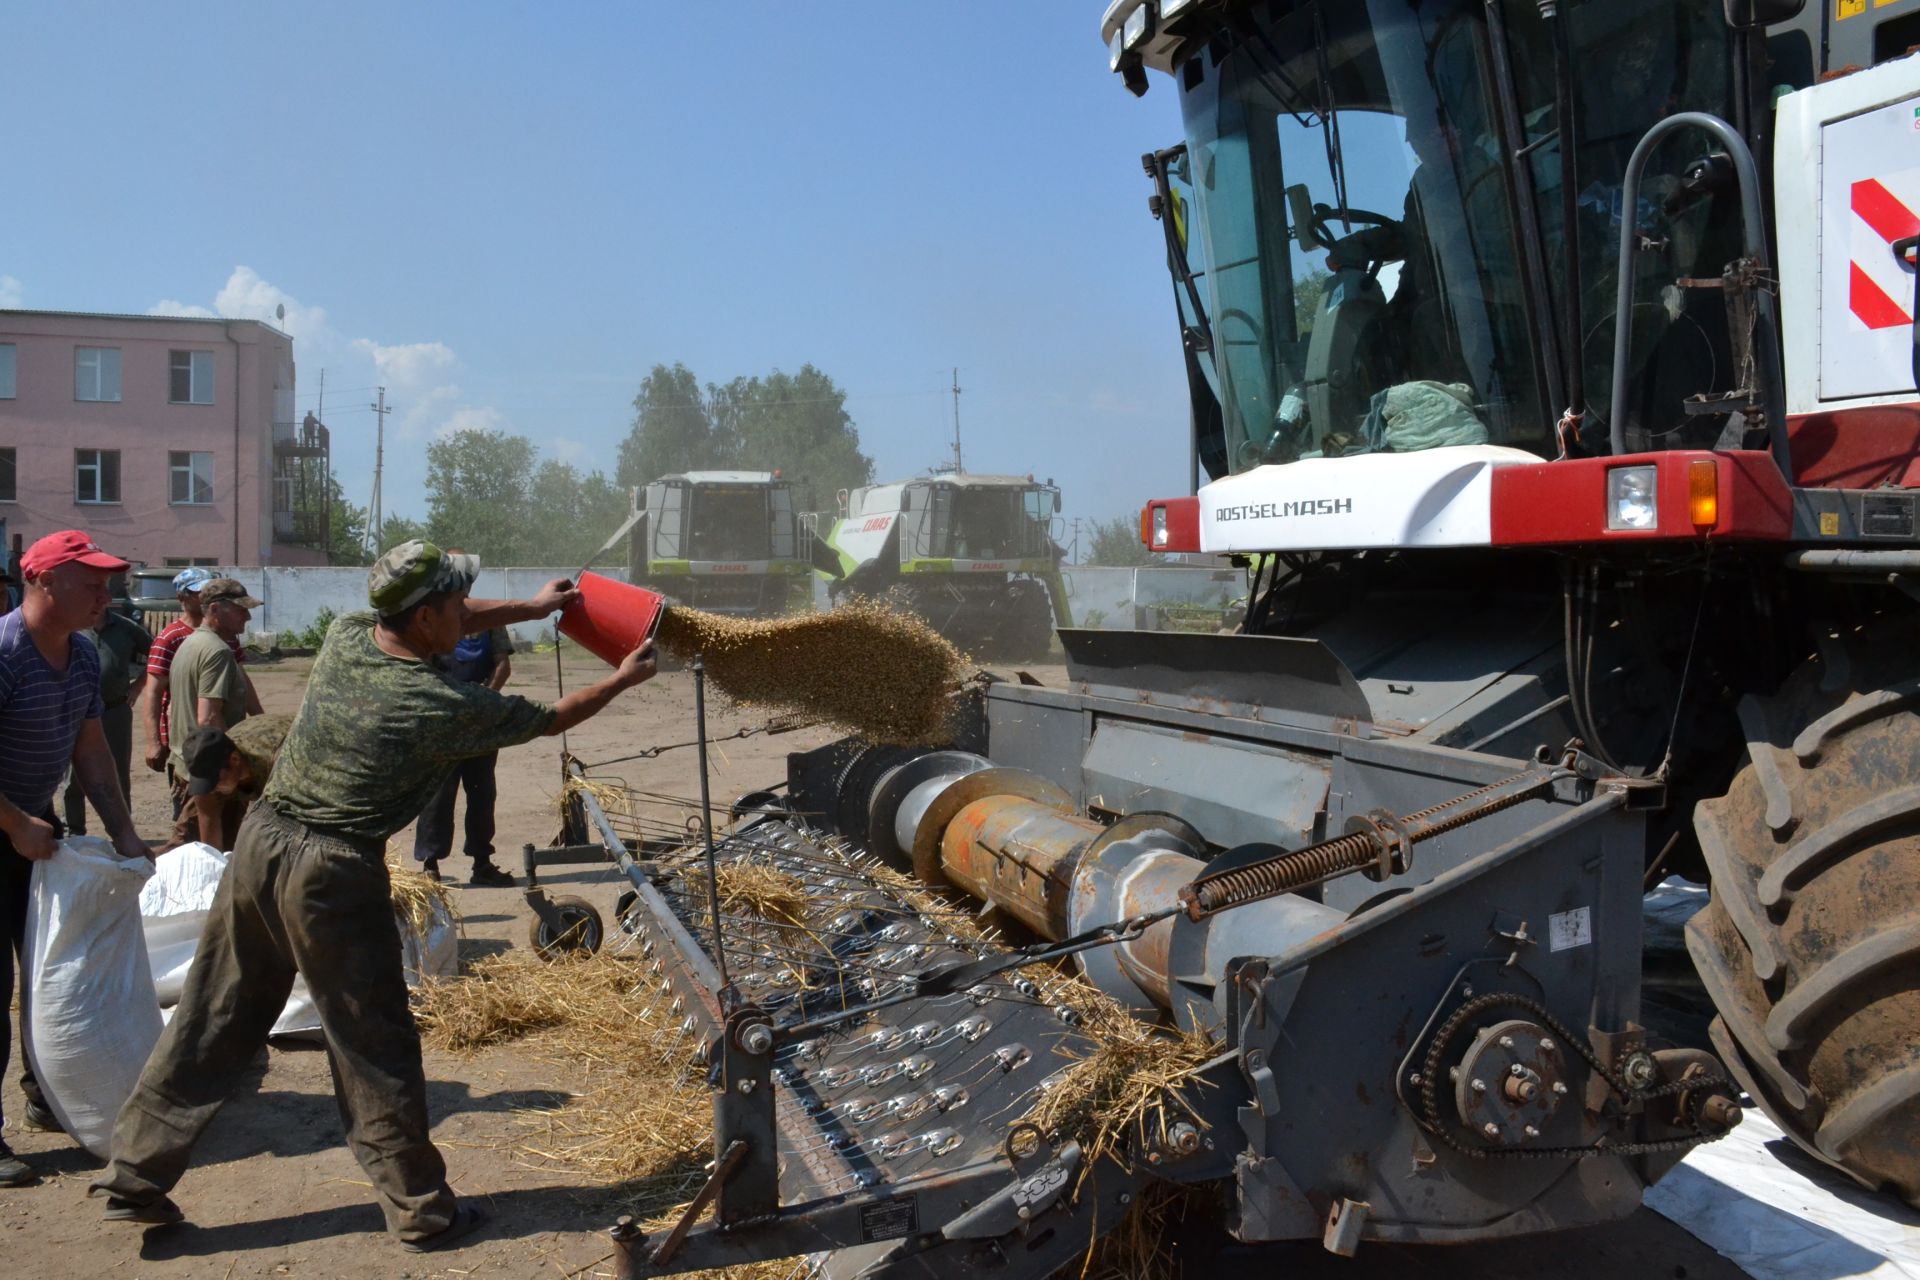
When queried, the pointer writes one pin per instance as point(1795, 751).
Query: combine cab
point(1582, 541)
point(972, 554)
point(724, 541)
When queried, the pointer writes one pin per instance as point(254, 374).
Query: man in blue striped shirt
point(50, 719)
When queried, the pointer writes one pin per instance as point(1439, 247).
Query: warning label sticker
point(1569, 929)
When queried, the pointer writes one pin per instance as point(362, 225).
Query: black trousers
point(293, 900)
point(433, 834)
point(16, 879)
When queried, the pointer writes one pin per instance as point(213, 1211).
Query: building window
point(192, 377)
point(190, 479)
point(7, 370)
point(7, 476)
point(96, 474)
point(96, 373)
point(186, 562)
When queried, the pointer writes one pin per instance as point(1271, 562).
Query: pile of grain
point(880, 674)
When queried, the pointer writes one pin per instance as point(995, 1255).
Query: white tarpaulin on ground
point(1760, 1201)
point(1778, 1214)
point(173, 909)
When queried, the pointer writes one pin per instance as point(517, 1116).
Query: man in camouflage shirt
point(307, 892)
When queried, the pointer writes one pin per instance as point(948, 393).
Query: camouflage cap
point(231, 590)
point(412, 571)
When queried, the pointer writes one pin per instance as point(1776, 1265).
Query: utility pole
point(1073, 556)
point(956, 423)
point(380, 409)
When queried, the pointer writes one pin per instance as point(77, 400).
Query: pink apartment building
point(173, 440)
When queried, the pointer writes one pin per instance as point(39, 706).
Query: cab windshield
point(1344, 204)
point(728, 523)
point(1356, 237)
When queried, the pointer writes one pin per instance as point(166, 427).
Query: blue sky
point(508, 214)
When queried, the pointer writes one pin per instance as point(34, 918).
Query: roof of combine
point(1137, 33)
point(970, 480)
point(722, 477)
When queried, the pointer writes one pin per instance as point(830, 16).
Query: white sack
point(91, 1018)
point(173, 911)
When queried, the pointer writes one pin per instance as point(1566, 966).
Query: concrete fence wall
point(292, 598)
point(1112, 599)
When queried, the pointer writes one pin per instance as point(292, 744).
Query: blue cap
point(192, 579)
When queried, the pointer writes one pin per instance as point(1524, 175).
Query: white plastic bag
point(173, 911)
point(90, 1015)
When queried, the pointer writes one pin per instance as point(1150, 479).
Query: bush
point(316, 631)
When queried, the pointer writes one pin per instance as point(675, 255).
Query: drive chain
point(1429, 1089)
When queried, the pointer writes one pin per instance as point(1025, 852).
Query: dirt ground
point(274, 1192)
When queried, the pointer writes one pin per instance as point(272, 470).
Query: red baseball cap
point(63, 548)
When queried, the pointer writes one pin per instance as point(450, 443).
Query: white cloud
point(12, 292)
point(565, 450)
point(171, 307)
point(410, 368)
point(472, 418)
point(245, 296)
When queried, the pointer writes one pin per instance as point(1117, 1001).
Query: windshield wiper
point(1198, 336)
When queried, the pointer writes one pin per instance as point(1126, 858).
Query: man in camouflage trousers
point(307, 891)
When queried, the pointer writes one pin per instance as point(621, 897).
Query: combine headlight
point(1134, 29)
point(1159, 527)
point(1631, 500)
point(1116, 48)
point(1170, 7)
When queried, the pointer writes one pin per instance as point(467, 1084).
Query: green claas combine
point(724, 541)
point(972, 554)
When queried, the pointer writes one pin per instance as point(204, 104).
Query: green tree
point(793, 423)
point(1307, 292)
point(346, 527)
point(1117, 542)
point(397, 529)
point(573, 513)
point(477, 494)
point(796, 424)
point(671, 430)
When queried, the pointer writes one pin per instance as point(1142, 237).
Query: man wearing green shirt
point(307, 892)
point(208, 688)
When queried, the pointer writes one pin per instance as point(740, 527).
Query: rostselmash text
point(1281, 510)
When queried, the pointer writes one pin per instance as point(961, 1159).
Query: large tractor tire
point(1810, 946)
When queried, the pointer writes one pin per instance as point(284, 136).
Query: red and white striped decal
point(1880, 291)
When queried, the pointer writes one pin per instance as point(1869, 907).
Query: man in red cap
point(49, 720)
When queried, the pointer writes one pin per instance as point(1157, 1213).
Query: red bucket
point(611, 619)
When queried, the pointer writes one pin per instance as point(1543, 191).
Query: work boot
point(40, 1116)
point(13, 1170)
point(431, 869)
point(488, 876)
